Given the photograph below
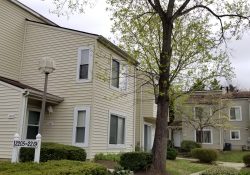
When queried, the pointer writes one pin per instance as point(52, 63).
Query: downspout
point(141, 120)
point(134, 144)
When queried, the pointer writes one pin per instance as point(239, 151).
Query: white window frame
point(86, 141)
point(118, 146)
point(230, 114)
point(211, 131)
point(121, 63)
point(90, 68)
point(234, 131)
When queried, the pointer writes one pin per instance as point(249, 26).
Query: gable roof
point(31, 11)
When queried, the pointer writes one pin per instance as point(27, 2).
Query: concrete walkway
point(237, 166)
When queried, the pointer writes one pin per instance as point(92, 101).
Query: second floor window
point(115, 73)
point(84, 66)
point(235, 113)
point(198, 112)
point(119, 75)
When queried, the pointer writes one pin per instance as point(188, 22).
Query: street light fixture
point(47, 66)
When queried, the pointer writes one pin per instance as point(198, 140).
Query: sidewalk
point(237, 166)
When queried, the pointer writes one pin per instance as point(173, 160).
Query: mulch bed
point(107, 163)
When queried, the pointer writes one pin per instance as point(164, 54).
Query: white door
point(177, 134)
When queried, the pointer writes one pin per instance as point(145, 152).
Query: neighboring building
point(234, 106)
point(91, 101)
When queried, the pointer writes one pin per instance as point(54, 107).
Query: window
point(84, 66)
point(119, 75)
point(204, 136)
point(198, 112)
point(116, 130)
point(115, 73)
point(234, 134)
point(33, 124)
point(235, 113)
point(81, 126)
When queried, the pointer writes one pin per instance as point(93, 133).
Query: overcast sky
point(97, 20)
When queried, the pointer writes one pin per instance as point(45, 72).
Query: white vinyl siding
point(235, 113)
point(84, 64)
point(234, 134)
point(81, 126)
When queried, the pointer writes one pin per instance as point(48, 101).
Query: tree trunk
point(160, 141)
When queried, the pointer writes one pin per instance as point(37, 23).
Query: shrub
point(220, 171)
point(54, 151)
point(205, 155)
point(136, 161)
point(188, 145)
point(55, 167)
point(246, 160)
point(111, 157)
point(171, 153)
point(121, 171)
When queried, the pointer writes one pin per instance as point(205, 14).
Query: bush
point(111, 157)
point(205, 155)
point(54, 151)
point(55, 167)
point(121, 171)
point(136, 161)
point(188, 145)
point(171, 153)
point(246, 160)
point(220, 171)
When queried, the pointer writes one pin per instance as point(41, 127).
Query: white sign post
point(18, 143)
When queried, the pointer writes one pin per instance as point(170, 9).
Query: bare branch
point(179, 11)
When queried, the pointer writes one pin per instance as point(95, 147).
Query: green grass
point(109, 156)
point(184, 167)
point(232, 156)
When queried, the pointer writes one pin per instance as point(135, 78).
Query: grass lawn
point(184, 167)
point(232, 156)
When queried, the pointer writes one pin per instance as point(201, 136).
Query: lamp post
point(47, 66)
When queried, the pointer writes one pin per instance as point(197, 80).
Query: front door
point(147, 137)
point(177, 134)
point(32, 124)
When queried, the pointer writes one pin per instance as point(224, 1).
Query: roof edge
point(117, 50)
point(33, 12)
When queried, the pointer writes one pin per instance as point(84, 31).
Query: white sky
point(97, 20)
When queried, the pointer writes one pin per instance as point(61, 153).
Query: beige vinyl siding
point(107, 99)
point(145, 106)
point(12, 29)
point(61, 45)
point(10, 104)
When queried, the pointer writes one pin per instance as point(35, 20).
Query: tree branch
point(179, 11)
